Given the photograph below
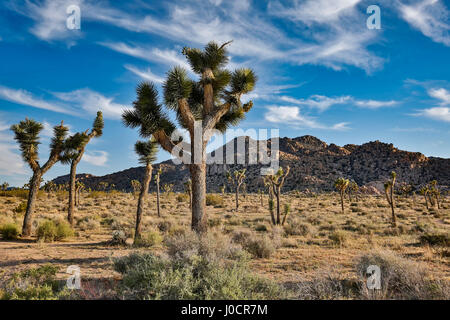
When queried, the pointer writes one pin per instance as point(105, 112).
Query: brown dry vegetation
point(318, 242)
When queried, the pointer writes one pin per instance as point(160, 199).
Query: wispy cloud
point(145, 74)
point(291, 116)
point(430, 17)
point(10, 161)
point(441, 94)
point(92, 101)
point(322, 103)
point(436, 113)
point(97, 158)
point(24, 97)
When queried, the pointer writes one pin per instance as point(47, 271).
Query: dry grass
point(316, 236)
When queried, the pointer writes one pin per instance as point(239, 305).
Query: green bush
point(19, 193)
point(21, 208)
point(200, 268)
point(296, 228)
point(149, 239)
point(9, 231)
point(49, 231)
point(181, 197)
point(214, 200)
point(33, 284)
point(260, 247)
point(338, 237)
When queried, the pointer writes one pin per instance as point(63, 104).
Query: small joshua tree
point(389, 187)
point(236, 179)
point(434, 193)
point(27, 135)
point(424, 191)
point(136, 185)
point(157, 180)
point(146, 151)
point(188, 190)
point(276, 182)
point(103, 186)
point(5, 186)
point(167, 188)
point(341, 184)
point(222, 190)
point(74, 151)
point(405, 189)
point(353, 189)
point(79, 187)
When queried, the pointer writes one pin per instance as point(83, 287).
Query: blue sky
point(321, 70)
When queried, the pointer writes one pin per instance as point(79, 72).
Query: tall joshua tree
point(27, 135)
point(341, 184)
point(276, 182)
point(389, 187)
point(74, 151)
point(147, 155)
point(236, 179)
point(211, 102)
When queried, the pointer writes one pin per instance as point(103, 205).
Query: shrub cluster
point(49, 230)
point(9, 231)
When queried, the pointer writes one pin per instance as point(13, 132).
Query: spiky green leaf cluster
point(26, 133)
point(147, 151)
point(147, 114)
point(212, 57)
point(58, 139)
point(99, 124)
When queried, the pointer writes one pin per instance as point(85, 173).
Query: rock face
point(314, 164)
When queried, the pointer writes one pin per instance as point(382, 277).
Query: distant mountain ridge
point(315, 165)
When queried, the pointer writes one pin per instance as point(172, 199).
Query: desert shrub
point(19, 193)
point(214, 200)
point(118, 237)
point(296, 228)
point(9, 231)
point(20, 208)
point(214, 222)
point(164, 226)
point(88, 223)
point(261, 227)
point(260, 247)
point(181, 197)
point(338, 237)
point(241, 237)
point(33, 284)
point(435, 239)
point(50, 230)
point(400, 278)
point(149, 239)
point(197, 267)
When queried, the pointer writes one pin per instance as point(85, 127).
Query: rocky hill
point(314, 166)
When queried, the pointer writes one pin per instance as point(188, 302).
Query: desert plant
point(79, 187)
point(136, 186)
point(9, 231)
point(434, 193)
point(214, 200)
point(50, 230)
point(157, 180)
point(341, 184)
point(276, 181)
point(236, 179)
point(389, 192)
point(27, 135)
point(4, 186)
point(353, 189)
point(212, 102)
point(75, 146)
point(188, 190)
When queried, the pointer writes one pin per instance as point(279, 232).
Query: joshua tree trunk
point(261, 198)
point(394, 218)
point(342, 201)
point(157, 197)
point(237, 199)
point(32, 195)
point(199, 217)
point(142, 195)
point(277, 194)
point(190, 199)
point(73, 176)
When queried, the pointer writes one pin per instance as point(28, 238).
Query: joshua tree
point(74, 151)
point(353, 189)
point(79, 187)
point(157, 180)
point(147, 151)
point(434, 192)
point(27, 135)
point(236, 179)
point(167, 187)
point(5, 186)
point(211, 102)
point(136, 185)
point(405, 189)
point(188, 189)
point(268, 185)
point(222, 190)
point(389, 187)
point(424, 191)
point(50, 186)
point(341, 184)
point(275, 183)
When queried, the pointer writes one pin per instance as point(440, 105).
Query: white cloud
point(291, 116)
point(322, 103)
point(97, 158)
point(145, 74)
point(430, 17)
point(92, 101)
point(24, 97)
point(436, 113)
point(10, 161)
point(441, 94)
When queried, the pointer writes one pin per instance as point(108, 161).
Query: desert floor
point(326, 240)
